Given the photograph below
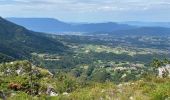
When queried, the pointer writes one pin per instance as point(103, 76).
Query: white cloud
point(86, 9)
point(105, 5)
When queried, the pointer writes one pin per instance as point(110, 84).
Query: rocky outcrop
point(164, 71)
point(51, 92)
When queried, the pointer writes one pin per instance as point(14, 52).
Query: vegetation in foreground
point(20, 80)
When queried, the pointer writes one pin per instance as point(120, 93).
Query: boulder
point(164, 69)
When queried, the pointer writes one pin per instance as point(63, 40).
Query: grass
point(155, 89)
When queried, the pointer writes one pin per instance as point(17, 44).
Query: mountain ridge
point(51, 25)
point(18, 42)
point(147, 24)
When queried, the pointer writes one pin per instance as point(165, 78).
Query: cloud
point(87, 9)
point(105, 5)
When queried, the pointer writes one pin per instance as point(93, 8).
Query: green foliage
point(5, 58)
point(18, 42)
point(151, 88)
point(90, 70)
point(100, 75)
point(156, 63)
point(66, 83)
point(21, 96)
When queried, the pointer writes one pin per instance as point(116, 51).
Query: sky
point(89, 10)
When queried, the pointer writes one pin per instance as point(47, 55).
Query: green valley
point(40, 66)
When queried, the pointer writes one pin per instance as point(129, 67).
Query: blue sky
point(89, 10)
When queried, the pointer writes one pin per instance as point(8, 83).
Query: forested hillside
point(18, 42)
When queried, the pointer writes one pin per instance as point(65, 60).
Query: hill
point(42, 24)
point(102, 27)
point(18, 42)
point(147, 24)
point(51, 25)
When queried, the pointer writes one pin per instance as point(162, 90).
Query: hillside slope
point(18, 42)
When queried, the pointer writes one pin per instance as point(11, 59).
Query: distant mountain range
point(51, 25)
point(18, 42)
point(147, 24)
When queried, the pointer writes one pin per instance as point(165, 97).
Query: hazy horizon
point(87, 21)
point(89, 10)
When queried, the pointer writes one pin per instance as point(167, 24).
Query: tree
point(100, 75)
point(156, 63)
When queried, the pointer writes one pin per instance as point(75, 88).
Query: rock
point(123, 76)
point(50, 91)
point(65, 93)
point(168, 69)
point(53, 93)
point(164, 69)
point(11, 62)
point(8, 70)
point(19, 71)
point(160, 71)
